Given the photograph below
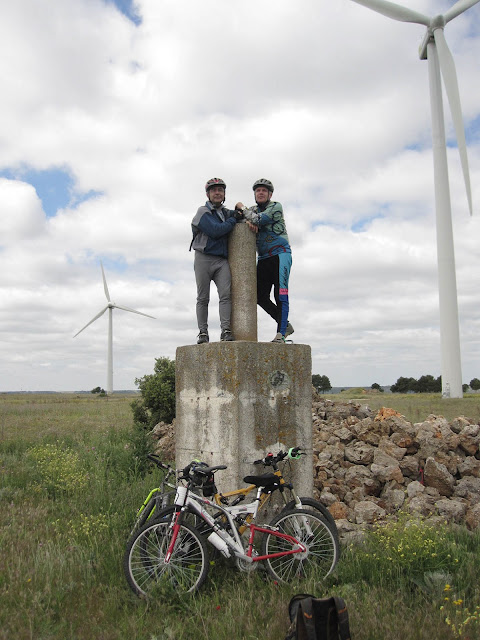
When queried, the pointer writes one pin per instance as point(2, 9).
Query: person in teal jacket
point(274, 255)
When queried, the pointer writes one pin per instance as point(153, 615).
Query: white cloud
point(329, 100)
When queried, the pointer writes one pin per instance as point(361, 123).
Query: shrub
point(405, 547)
point(59, 468)
point(158, 395)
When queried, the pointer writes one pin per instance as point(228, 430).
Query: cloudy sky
point(114, 114)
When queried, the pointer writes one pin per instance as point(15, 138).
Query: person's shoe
point(202, 338)
point(227, 336)
point(289, 330)
point(278, 338)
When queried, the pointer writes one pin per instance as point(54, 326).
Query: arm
point(273, 213)
point(214, 228)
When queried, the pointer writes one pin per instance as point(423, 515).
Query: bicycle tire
point(156, 503)
point(322, 547)
point(314, 505)
point(144, 565)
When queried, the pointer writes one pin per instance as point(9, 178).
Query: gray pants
point(208, 268)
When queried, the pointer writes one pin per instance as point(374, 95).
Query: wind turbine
point(110, 306)
point(434, 48)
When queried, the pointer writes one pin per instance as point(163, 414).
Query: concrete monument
point(238, 401)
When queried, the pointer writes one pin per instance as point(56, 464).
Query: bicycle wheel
point(144, 564)
point(157, 502)
point(314, 505)
point(312, 531)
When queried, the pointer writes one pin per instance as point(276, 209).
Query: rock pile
point(369, 465)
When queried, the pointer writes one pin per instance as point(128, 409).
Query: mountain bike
point(170, 551)
point(159, 497)
point(163, 495)
point(287, 491)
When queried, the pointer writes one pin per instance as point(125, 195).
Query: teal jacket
point(272, 237)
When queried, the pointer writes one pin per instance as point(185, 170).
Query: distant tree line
point(427, 384)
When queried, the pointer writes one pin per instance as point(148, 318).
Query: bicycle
point(173, 552)
point(158, 498)
point(287, 490)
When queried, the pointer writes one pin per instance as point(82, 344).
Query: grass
point(415, 407)
point(69, 489)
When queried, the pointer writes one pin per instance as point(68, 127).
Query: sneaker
point(202, 338)
point(227, 336)
point(289, 330)
point(278, 338)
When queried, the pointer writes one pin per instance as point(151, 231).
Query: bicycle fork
point(180, 500)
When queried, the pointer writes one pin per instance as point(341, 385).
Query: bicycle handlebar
point(270, 460)
point(153, 457)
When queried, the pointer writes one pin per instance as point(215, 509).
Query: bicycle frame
point(184, 502)
point(221, 497)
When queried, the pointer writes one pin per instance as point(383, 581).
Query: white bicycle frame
point(185, 502)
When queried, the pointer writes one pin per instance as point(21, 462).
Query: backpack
point(318, 618)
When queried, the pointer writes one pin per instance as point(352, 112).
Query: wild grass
point(69, 489)
point(415, 407)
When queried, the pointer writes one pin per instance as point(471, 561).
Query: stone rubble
point(369, 465)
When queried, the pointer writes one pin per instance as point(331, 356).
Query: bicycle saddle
point(264, 480)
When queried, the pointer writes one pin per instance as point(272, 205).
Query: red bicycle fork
point(171, 546)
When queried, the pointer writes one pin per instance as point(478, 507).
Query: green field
point(69, 489)
point(416, 406)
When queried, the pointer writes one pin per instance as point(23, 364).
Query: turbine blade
point(117, 306)
point(105, 283)
point(92, 320)
point(396, 11)
point(449, 74)
point(458, 8)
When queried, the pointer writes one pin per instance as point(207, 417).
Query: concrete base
point(238, 401)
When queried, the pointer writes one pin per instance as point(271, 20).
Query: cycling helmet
point(262, 182)
point(214, 182)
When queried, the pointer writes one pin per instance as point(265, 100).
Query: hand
point(252, 227)
point(239, 215)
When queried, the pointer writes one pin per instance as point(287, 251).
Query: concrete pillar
point(237, 401)
point(242, 261)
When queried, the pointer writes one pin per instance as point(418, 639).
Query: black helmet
point(262, 182)
point(214, 182)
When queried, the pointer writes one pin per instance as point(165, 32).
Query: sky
point(113, 116)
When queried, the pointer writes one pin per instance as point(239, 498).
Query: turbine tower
point(434, 48)
point(110, 306)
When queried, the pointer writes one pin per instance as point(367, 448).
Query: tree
point(428, 384)
point(403, 385)
point(376, 386)
point(158, 395)
point(465, 387)
point(321, 383)
point(98, 390)
point(475, 384)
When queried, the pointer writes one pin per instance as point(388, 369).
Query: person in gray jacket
point(210, 226)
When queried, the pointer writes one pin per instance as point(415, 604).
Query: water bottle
point(219, 544)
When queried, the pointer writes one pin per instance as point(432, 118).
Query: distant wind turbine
point(434, 48)
point(110, 306)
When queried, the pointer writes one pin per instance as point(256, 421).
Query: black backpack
point(318, 618)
